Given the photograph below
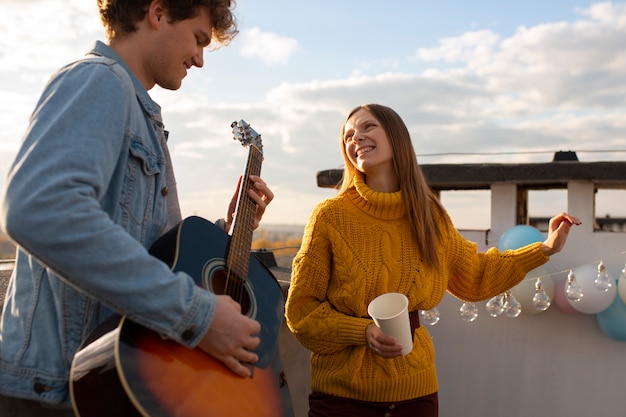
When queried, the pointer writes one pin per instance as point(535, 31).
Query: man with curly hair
point(91, 189)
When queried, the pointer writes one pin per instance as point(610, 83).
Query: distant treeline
point(7, 249)
point(281, 240)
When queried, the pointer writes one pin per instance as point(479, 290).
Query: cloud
point(271, 48)
point(557, 65)
point(35, 36)
point(469, 47)
point(612, 14)
point(551, 86)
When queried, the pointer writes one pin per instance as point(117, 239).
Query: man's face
point(179, 46)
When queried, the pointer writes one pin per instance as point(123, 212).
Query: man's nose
point(198, 59)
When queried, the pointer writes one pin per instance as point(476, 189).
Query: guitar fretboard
point(243, 227)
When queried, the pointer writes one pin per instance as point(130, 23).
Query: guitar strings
point(242, 236)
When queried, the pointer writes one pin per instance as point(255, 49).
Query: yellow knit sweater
point(357, 246)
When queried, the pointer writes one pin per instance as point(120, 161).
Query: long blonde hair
point(422, 205)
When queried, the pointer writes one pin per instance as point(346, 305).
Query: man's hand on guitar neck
point(231, 337)
point(260, 193)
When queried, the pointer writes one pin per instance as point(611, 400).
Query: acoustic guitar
point(124, 369)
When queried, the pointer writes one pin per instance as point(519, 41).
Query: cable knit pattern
point(359, 245)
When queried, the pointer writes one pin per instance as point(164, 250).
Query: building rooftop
point(564, 168)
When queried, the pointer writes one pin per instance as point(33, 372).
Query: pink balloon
point(560, 299)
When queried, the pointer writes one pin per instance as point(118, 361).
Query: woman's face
point(366, 144)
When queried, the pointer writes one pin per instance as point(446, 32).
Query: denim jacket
point(84, 200)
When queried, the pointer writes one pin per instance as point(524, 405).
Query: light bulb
point(603, 280)
point(512, 307)
point(430, 317)
point(495, 306)
point(541, 300)
point(623, 274)
point(573, 291)
point(469, 312)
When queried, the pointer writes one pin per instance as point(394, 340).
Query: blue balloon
point(612, 321)
point(519, 236)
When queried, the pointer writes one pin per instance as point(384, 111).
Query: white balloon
point(593, 301)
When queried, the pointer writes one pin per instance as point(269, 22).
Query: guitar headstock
point(246, 135)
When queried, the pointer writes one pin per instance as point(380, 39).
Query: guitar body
point(146, 375)
point(124, 369)
point(198, 247)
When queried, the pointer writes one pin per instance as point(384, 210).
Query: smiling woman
point(387, 232)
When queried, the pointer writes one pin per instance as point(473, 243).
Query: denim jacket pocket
point(149, 161)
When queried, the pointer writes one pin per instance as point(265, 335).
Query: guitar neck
point(238, 258)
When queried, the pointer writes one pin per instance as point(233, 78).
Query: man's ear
point(156, 13)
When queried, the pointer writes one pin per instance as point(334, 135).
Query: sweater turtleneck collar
point(385, 206)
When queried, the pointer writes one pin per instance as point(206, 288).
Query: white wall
point(553, 363)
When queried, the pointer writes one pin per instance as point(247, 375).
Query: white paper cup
point(391, 315)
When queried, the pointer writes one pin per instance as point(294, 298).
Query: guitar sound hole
point(223, 283)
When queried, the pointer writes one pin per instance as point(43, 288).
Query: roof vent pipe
point(565, 156)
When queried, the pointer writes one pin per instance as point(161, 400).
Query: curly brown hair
point(121, 16)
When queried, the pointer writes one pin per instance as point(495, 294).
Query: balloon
point(621, 288)
point(519, 236)
point(560, 299)
point(525, 290)
point(612, 321)
point(593, 301)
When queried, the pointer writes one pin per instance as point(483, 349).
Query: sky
point(480, 81)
